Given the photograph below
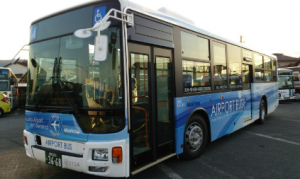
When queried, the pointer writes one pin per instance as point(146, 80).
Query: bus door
point(151, 120)
point(247, 80)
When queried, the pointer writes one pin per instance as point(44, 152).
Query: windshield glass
point(4, 86)
point(62, 72)
point(4, 82)
point(63, 76)
point(285, 82)
point(4, 73)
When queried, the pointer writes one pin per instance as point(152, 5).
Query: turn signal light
point(117, 155)
point(25, 140)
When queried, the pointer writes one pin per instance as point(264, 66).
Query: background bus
point(9, 86)
point(286, 89)
point(296, 78)
point(163, 88)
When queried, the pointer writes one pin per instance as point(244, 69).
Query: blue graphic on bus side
point(65, 127)
point(99, 14)
point(227, 111)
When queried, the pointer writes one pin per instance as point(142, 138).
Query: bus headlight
point(100, 154)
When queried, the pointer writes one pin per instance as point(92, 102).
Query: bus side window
point(187, 80)
point(12, 81)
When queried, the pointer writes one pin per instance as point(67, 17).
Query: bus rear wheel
point(262, 112)
point(195, 137)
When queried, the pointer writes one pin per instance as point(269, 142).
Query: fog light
point(100, 154)
point(98, 169)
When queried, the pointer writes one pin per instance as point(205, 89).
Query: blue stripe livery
point(227, 111)
point(65, 127)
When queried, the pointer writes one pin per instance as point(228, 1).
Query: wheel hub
point(194, 136)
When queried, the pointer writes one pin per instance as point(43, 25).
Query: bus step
point(152, 164)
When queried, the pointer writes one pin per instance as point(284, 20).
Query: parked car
point(4, 104)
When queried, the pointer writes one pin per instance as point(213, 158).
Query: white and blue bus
point(114, 88)
point(286, 88)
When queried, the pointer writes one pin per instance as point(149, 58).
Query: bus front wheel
point(195, 137)
point(262, 112)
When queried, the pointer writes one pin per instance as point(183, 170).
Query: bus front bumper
point(82, 161)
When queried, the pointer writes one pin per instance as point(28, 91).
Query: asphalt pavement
point(271, 150)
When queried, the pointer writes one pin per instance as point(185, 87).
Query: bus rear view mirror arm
point(101, 42)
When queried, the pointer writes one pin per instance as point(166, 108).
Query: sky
point(271, 26)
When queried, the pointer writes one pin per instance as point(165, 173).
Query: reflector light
point(117, 155)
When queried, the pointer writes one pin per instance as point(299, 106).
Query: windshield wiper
point(42, 90)
point(68, 98)
point(56, 78)
point(40, 97)
point(57, 110)
point(63, 87)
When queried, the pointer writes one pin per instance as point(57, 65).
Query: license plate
point(53, 159)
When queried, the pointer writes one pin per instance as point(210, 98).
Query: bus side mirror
point(101, 47)
point(33, 62)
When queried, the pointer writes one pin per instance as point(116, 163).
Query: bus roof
point(126, 4)
point(3, 68)
point(284, 71)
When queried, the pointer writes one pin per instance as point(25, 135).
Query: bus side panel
point(270, 90)
point(228, 112)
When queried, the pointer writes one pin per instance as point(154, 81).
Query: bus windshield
point(7, 79)
point(4, 86)
point(62, 71)
point(64, 68)
point(285, 82)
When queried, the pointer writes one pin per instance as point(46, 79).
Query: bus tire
point(195, 137)
point(1, 112)
point(262, 112)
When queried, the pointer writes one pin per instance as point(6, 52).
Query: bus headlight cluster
point(100, 154)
